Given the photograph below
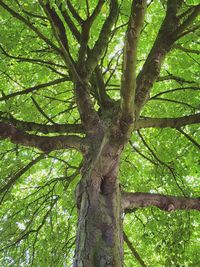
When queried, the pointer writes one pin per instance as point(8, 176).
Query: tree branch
point(96, 11)
point(187, 50)
point(42, 128)
point(31, 26)
point(103, 98)
point(175, 90)
point(19, 173)
point(44, 143)
point(42, 111)
point(174, 101)
point(190, 30)
point(168, 122)
point(84, 37)
point(165, 39)
point(128, 85)
point(96, 52)
point(173, 77)
point(88, 115)
point(189, 138)
point(74, 12)
point(60, 34)
point(32, 60)
point(163, 202)
point(72, 27)
point(34, 88)
point(133, 250)
point(188, 21)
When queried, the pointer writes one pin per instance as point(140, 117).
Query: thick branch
point(96, 52)
point(162, 45)
point(72, 27)
point(84, 37)
point(163, 202)
point(60, 34)
point(169, 32)
point(96, 11)
point(88, 115)
point(44, 143)
point(42, 128)
point(168, 122)
point(103, 98)
point(74, 12)
point(128, 85)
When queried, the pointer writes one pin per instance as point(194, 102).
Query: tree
point(100, 98)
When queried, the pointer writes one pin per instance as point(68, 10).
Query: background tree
point(101, 96)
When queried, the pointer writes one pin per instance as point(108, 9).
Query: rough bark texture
point(100, 236)
point(166, 203)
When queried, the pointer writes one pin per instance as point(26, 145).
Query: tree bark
point(100, 236)
point(163, 202)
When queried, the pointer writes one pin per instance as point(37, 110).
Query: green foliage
point(38, 214)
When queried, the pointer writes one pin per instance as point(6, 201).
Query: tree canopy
point(46, 124)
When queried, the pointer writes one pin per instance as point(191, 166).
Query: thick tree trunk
point(99, 237)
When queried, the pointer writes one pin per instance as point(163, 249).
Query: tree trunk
point(99, 237)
